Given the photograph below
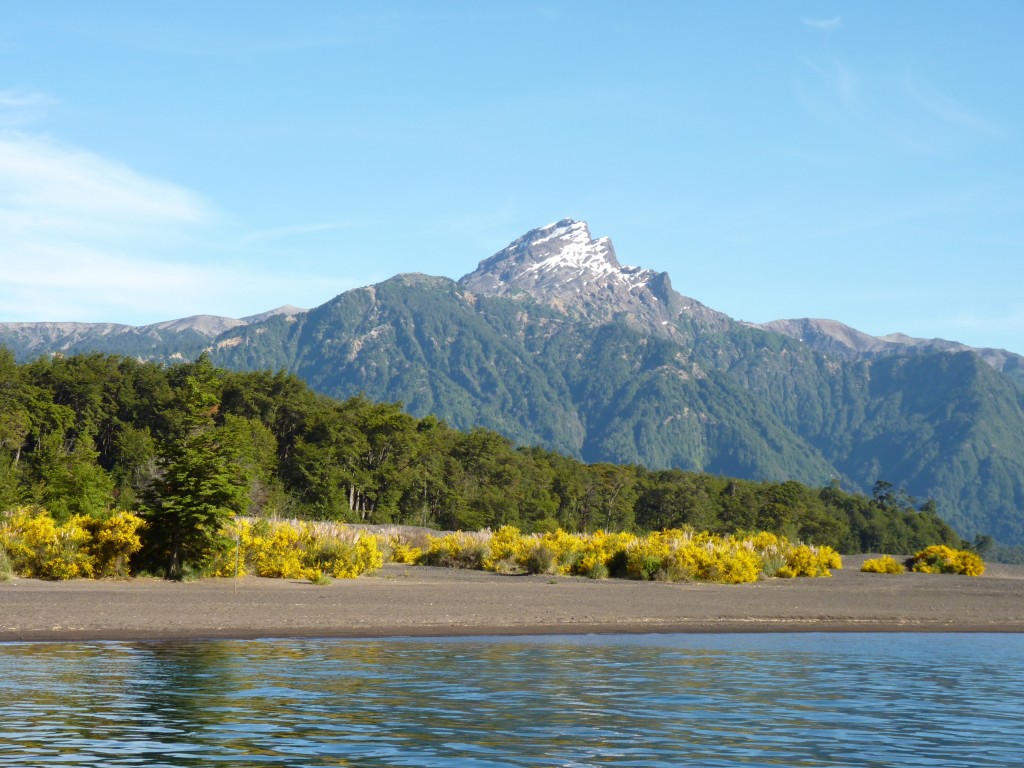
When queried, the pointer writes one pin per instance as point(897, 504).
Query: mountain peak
point(555, 264)
point(563, 266)
point(566, 243)
point(562, 255)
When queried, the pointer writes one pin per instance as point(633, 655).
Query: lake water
point(649, 700)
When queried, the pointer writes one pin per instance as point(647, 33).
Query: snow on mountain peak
point(562, 266)
point(558, 257)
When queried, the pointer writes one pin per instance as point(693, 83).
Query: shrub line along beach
point(406, 600)
point(499, 582)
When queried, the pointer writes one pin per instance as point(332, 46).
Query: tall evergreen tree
point(202, 483)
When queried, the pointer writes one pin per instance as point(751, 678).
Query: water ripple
point(669, 700)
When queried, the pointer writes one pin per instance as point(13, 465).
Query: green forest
point(189, 446)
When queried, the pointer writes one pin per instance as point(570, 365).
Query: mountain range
point(552, 341)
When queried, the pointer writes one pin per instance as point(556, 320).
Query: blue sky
point(857, 161)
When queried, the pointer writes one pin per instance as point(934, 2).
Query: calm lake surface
point(650, 700)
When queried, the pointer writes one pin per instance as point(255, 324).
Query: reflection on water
point(709, 700)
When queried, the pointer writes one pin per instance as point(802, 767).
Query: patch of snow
point(576, 232)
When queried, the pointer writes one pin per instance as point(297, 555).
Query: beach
point(425, 601)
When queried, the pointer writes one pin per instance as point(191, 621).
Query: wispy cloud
point(86, 238)
point(19, 107)
point(14, 99)
point(886, 110)
point(68, 186)
point(80, 231)
point(824, 24)
point(946, 109)
point(68, 281)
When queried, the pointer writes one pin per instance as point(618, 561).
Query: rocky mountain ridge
point(834, 338)
point(168, 340)
point(562, 266)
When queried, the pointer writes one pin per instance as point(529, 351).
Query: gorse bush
point(33, 544)
point(457, 550)
point(670, 555)
point(884, 564)
point(297, 550)
point(405, 554)
point(114, 540)
point(507, 550)
point(942, 559)
point(42, 549)
point(82, 546)
point(810, 561)
point(680, 555)
point(401, 545)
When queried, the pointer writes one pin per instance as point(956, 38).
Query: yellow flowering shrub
point(970, 563)
point(765, 541)
point(275, 553)
point(648, 556)
point(349, 559)
point(942, 559)
point(507, 550)
point(114, 540)
point(810, 561)
point(734, 564)
point(557, 552)
point(405, 554)
point(884, 564)
point(319, 552)
point(680, 555)
point(718, 559)
point(599, 551)
point(297, 550)
point(344, 552)
point(224, 561)
point(567, 552)
point(670, 555)
point(457, 550)
point(39, 548)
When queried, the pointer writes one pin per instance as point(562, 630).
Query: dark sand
point(415, 600)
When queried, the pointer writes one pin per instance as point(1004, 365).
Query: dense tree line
point(189, 445)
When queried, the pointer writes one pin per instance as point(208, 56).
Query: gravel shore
point(418, 600)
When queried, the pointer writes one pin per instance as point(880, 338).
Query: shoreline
point(420, 601)
point(726, 628)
